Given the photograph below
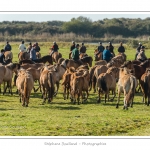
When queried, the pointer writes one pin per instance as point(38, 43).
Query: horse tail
point(25, 88)
point(103, 83)
point(131, 92)
point(146, 86)
point(50, 85)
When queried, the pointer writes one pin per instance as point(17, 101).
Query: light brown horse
point(145, 86)
point(107, 81)
point(23, 56)
point(6, 74)
point(98, 70)
point(127, 84)
point(55, 56)
point(99, 56)
point(24, 83)
point(8, 55)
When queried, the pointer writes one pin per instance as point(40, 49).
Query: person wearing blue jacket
point(33, 53)
point(107, 54)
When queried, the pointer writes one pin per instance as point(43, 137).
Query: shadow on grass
point(4, 101)
point(67, 108)
point(4, 109)
point(58, 107)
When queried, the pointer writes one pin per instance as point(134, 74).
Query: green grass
point(61, 118)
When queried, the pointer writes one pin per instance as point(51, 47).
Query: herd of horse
point(77, 79)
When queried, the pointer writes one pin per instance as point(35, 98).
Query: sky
point(65, 17)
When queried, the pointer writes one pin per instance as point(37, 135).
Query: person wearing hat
point(7, 47)
point(75, 54)
point(33, 53)
point(83, 49)
point(141, 55)
point(111, 49)
point(2, 57)
point(71, 48)
point(100, 48)
point(138, 50)
point(54, 48)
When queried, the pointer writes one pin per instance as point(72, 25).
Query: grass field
point(61, 118)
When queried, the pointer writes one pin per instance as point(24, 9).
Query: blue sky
point(65, 17)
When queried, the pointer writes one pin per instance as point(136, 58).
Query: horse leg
point(64, 94)
point(125, 101)
point(114, 93)
point(10, 87)
point(106, 95)
point(99, 98)
point(87, 95)
point(79, 98)
point(117, 105)
point(94, 83)
point(5, 88)
point(57, 86)
point(23, 100)
point(68, 89)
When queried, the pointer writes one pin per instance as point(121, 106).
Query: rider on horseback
point(54, 48)
point(22, 47)
point(2, 57)
point(107, 54)
point(33, 53)
point(141, 55)
point(121, 48)
point(7, 47)
point(37, 47)
point(111, 49)
point(29, 47)
point(100, 49)
point(75, 54)
point(83, 49)
point(138, 50)
point(71, 48)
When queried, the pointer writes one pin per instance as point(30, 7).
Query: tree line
point(124, 27)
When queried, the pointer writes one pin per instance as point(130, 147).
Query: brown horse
point(55, 56)
point(44, 59)
point(99, 56)
point(124, 56)
point(71, 63)
point(8, 55)
point(145, 86)
point(23, 56)
point(83, 55)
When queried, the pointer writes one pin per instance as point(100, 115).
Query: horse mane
point(12, 65)
point(86, 59)
point(125, 64)
point(144, 64)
